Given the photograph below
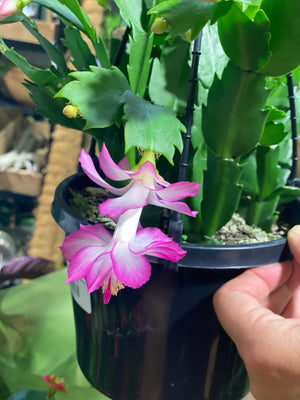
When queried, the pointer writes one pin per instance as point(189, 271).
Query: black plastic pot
point(162, 341)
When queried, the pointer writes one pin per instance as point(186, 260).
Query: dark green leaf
point(233, 120)
point(113, 137)
point(245, 40)
point(184, 15)
point(97, 94)
point(51, 107)
point(151, 127)
point(169, 80)
point(82, 56)
point(221, 193)
point(284, 17)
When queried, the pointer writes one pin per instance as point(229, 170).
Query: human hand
point(260, 311)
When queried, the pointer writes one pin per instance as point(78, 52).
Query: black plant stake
point(293, 175)
point(176, 223)
point(122, 47)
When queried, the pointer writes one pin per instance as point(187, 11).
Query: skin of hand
point(260, 311)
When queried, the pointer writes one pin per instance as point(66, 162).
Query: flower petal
point(110, 169)
point(153, 241)
point(124, 164)
point(136, 197)
point(90, 170)
point(132, 270)
point(181, 207)
point(87, 235)
point(102, 233)
point(99, 272)
point(82, 262)
point(179, 190)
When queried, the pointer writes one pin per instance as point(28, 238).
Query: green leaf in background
point(104, 3)
point(278, 95)
point(259, 213)
point(296, 76)
point(199, 165)
point(151, 127)
point(247, 3)
point(221, 192)
point(53, 52)
point(131, 11)
point(249, 176)
point(40, 76)
point(167, 87)
point(139, 61)
point(287, 194)
point(82, 56)
point(274, 131)
point(81, 15)
point(233, 120)
point(97, 94)
point(245, 40)
point(273, 134)
point(184, 15)
point(268, 170)
point(62, 10)
point(284, 17)
point(212, 59)
point(29, 395)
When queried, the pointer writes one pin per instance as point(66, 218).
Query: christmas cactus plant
point(237, 144)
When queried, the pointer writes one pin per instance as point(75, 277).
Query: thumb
point(294, 242)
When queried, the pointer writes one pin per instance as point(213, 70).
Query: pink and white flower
point(118, 260)
point(146, 186)
point(11, 7)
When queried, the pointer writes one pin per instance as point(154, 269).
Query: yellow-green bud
point(160, 25)
point(70, 111)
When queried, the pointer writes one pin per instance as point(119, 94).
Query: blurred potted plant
point(140, 108)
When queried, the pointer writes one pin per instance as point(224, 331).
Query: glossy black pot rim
point(198, 255)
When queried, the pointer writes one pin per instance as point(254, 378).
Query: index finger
point(238, 302)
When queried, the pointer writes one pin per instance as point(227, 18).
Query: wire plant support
point(176, 223)
point(293, 180)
